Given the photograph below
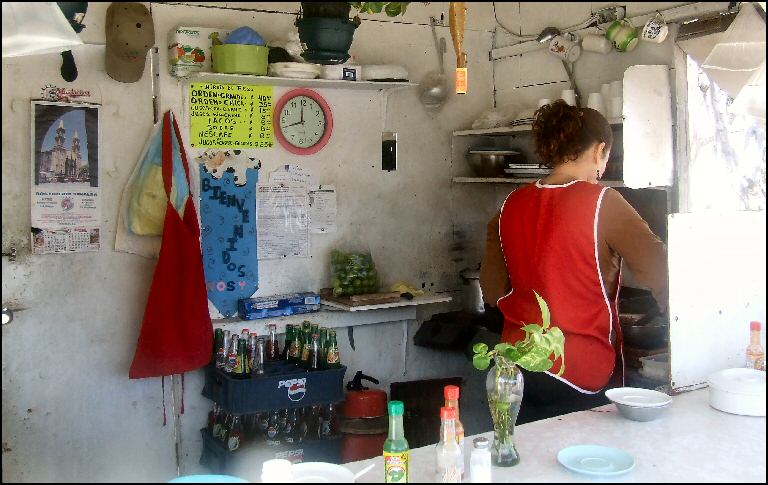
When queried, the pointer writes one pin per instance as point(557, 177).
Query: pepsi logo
point(296, 388)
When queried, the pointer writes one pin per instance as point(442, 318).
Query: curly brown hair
point(563, 132)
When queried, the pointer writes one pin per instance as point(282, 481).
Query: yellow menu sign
point(231, 116)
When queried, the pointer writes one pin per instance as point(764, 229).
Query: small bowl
point(639, 404)
point(640, 414)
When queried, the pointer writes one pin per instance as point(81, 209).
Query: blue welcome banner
point(228, 220)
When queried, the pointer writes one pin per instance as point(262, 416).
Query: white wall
point(69, 411)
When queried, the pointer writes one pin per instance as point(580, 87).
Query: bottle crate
point(283, 385)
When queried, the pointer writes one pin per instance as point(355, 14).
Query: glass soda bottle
point(755, 353)
point(273, 429)
point(332, 356)
point(273, 347)
point(451, 394)
point(397, 454)
point(294, 351)
point(314, 353)
point(287, 343)
point(218, 340)
point(258, 359)
point(242, 369)
point(447, 452)
point(232, 355)
point(236, 434)
point(223, 351)
point(323, 347)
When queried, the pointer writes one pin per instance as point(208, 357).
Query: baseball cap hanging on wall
point(130, 34)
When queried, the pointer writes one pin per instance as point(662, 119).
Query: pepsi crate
point(282, 386)
point(246, 462)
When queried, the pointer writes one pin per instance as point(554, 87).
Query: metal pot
point(472, 293)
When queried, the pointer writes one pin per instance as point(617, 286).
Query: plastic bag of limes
point(353, 273)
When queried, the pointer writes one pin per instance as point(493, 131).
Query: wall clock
point(303, 121)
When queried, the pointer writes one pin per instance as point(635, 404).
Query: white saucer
point(598, 461)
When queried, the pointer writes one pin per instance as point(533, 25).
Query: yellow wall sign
point(231, 115)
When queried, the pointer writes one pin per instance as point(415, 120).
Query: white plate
point(319, 472)
point(638, 397)
point(598, 461)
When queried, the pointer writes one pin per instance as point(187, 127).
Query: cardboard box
point(278, 305)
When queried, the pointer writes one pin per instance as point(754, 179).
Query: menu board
point(231, 115)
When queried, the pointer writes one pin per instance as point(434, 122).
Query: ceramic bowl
point(639, 404)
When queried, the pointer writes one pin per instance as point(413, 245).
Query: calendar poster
point(66, 197)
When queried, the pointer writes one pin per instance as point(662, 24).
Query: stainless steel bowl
point(491, 164)
point(636, 413)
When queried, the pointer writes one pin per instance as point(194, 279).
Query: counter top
point(691, 442)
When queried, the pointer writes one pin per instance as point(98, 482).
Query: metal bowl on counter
point(639, 404)
point(491, 162)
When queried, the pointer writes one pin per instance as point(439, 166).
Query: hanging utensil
point(457, 20)
point(434, 87)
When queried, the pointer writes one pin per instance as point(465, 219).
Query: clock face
point(303, 122)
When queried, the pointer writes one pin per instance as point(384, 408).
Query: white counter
point(691, 442)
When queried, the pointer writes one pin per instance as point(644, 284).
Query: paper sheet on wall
point(291, 174)
point(230, 116)
point(283, 221)
point(322, 209)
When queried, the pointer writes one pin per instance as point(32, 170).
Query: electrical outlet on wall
point(389, 151)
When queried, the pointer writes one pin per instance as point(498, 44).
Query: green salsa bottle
point(397, 454)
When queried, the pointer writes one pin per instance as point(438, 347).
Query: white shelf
point(418, 300)
point(215, 77)
point(511, 180)
point(508, 130)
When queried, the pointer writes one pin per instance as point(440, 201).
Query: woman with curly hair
point(565, 236)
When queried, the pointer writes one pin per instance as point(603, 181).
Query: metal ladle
point(434, 87)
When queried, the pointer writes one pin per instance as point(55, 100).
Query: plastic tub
point(655, 366)
point(240, 59)
point(738, 391)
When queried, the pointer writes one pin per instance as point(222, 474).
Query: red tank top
point(549, 240)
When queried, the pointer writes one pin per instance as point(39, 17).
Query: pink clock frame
point(328, 121)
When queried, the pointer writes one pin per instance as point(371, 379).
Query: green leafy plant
point(392, 9)
point(537, 352)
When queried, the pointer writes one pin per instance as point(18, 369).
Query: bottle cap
point(481, 443)
point(447, 413)
point(396, 408)
point(754, 326)
point(451, 392)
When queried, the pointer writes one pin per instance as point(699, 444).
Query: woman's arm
point(628, 234)
point(494, 279)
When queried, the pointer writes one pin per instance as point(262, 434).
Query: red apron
point(177, 335)
point(549, 240)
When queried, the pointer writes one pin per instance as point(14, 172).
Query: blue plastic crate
point(282, 386)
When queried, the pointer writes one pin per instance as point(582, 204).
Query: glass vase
point(504, 385)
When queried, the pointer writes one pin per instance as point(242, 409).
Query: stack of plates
point(524, 170)
point(298, 70)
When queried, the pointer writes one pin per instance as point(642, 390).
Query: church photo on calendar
point(66, 143)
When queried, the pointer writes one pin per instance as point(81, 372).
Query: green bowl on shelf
point(240, 59)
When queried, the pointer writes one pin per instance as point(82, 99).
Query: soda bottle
point(262, 423)
point(245, 333)
point(294, 350)
point(225, 427)
point(314, 329)
point(332, 356)
point(448, 454)
point(273, 348)
point(223, 351)
point(212, 415)
point(218, 340)
point(287, 342)
point(313, 423)
point(259, 357)
point(273, 429)
point(306, 346)
point(218, 422)
point(236, 436)
point(303, 431)
point(232, 356)
point(252, 343)
point(328, 422)
point(288, 428)
point(242, 369)
point(323, 346)
point(314, 353)
point(451, 394)
point(755, 352)
point(397, 454)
